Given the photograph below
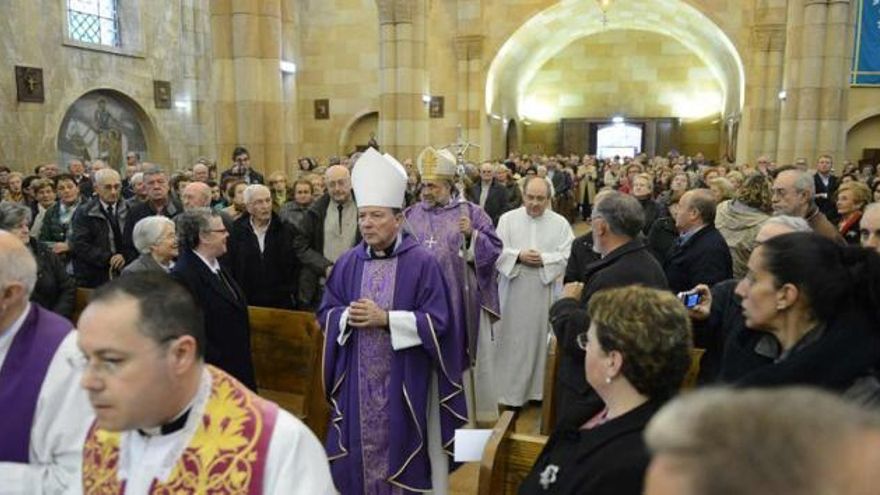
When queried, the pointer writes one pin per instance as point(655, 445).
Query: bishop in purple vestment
point(392, 359)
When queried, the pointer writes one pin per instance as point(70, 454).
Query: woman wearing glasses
point(635, 360)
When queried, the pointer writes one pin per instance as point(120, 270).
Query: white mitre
point(378, 181)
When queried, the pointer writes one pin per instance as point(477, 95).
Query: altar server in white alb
point(167, 423)
point(44, 413)
point(537, 243)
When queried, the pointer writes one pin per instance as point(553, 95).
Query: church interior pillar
point(249, 103)
point(768, 45)
point(835, 80)
point(810, 78)
point(402, 76)
point(469, 54)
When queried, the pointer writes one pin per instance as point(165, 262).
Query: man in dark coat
point(700, 255)
point(616, 223)
point(262, 257)
point(318, 247)
point(159, 202)
point(826, 187)
point(97, 245)
point(202, 239)
point(241, 168)
point(491, 196)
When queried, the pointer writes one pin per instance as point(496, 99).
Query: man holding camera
point(241, 168)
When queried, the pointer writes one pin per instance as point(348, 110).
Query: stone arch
point(124, 126)
point(551, 30)
point(862, 116)
point(367, 119)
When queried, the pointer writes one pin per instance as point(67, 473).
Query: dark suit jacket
point(92, 243)
point(268, 278)
point(825, 196)
point(496, 201)
point(609, 459)
point(582, 256)
point(703, 259)
point(227, 325)
point(629, 264)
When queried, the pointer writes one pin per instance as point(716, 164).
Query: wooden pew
point(507, 458)
point(287, 348)
point(82, 300)
point(548, 404)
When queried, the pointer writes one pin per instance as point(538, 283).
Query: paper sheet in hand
point(469, 444)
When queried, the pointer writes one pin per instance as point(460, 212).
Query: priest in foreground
point(44, 414)
point(168, 423)
point(392, 360)
point(462, 238)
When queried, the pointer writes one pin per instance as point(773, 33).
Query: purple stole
point(21, 378)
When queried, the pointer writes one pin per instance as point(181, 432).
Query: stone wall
point(172, 46)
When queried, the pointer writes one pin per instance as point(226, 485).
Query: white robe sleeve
point(344, 329)
point(507, 260)
point(556, 261)
point(296, 463)
point(61, 420)
point(404, 331)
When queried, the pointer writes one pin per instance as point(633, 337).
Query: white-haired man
point(45, 413)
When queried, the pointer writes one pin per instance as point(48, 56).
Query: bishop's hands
point(364, 313)
point(465, 227)
point(531, 257)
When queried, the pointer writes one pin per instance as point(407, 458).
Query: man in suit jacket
point(616, 224)
point(700, 255)
point(159, 202)
point(97, 245)
point(826, 187)
point(491, 196)
point(202, 239)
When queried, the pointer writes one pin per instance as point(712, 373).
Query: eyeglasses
point(104, 367)
point(582, 341)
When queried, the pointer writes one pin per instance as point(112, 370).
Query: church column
point(469, 53)
point(403, 125)
point(835, 79)
point(768, 44)
point(813, 118)
point(250, 111)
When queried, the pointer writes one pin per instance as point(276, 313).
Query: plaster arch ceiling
point(550, 31)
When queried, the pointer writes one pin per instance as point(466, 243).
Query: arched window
point(93, 21)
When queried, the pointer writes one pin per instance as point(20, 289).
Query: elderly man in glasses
point(45, 414)
point(168, 423)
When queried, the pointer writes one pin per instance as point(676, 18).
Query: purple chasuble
point(436, 229)
point(21, 378)
point(377, 440)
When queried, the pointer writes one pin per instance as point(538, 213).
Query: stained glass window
point(93, 21)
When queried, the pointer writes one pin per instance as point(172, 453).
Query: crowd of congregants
point(437, 284)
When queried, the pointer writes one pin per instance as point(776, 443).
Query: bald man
point(200, 172)
point(40, 448)
point(700, 255)
point(329, 229)
point(196, 195)
point(870, 227)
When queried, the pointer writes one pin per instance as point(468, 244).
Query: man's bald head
point(337, 179)
point(196, 195)
point(17, 269)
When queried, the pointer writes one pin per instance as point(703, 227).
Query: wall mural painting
point(101, 125)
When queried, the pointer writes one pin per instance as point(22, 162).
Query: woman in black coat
point(54, 289)
point(635, 360)
point(820, 301)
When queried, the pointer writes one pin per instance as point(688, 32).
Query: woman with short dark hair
point(635, 360)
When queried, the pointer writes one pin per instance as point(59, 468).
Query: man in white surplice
point(537, 243)
point(44, 412)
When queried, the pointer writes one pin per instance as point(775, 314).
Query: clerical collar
point(173, 426)
point(381, 255)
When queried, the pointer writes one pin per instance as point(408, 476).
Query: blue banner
point(866, 59)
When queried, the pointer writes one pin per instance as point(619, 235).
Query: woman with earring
point(635, 360)
point(818, 302)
